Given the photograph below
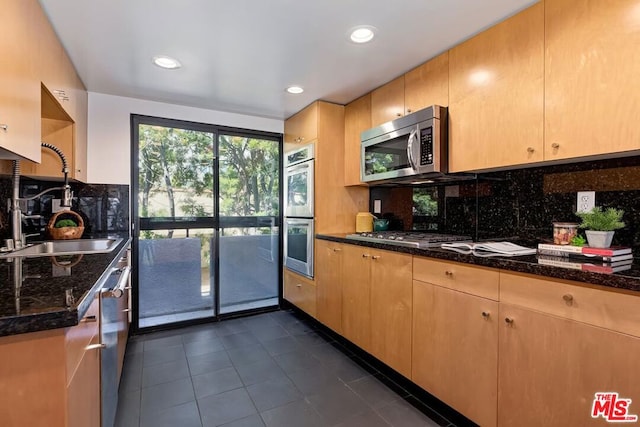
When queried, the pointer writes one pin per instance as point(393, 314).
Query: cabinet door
point(83, 392)
point(391, 305)
point(357, 118)
point(550, 369)
point(329, 284)
point(427, 84)
point(60, 134)
point(300, 291)
point(302, 127)
point(591, 74)
point(19, 87)
point(455, 349)
point(356, 295)
point(387, 102)
point(496, 95)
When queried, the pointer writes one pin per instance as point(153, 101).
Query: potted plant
point(600, 225)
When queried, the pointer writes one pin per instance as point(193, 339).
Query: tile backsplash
point(103, 207)
point(522, 204)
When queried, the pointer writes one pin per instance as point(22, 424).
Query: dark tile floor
point(272, 369)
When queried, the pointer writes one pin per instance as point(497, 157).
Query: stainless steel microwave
point(410, 146)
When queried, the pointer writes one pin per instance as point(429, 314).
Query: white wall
point(109, 131)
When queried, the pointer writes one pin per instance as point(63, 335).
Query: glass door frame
point(195, 223)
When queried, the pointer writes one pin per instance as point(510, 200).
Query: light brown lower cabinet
point(300, 291)
point(551, 368)
point(455, 349)
point(52, 378)
point(376, 312)
point(329, 284)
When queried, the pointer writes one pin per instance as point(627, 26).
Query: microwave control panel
point(426, 146)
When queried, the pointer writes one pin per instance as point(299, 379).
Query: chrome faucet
point(19, 239)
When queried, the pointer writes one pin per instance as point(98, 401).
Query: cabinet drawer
point(80, 336)
point(479, 281)
point(301, 292)
point(596, 306)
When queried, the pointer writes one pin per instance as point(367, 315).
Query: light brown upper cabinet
point(427, 84)
point(302, 127)
point(496, 95)
point(19, 86)
point(591, 77)
point(357, 118)
point(387, 102)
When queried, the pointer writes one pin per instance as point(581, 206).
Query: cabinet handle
point(375, 257)
point(486, 314)
point(299, 285)
point(89, 319)
point(95, 346)
point(365, 255)
point(337, 250)
point(530, 149)
point(408, 110)
point(509, 321)
point(449, 273)
point(4, 127)
point(78, 170)
point(568, 298)
point(399, 114)
point(126, 310)
point(555, 145)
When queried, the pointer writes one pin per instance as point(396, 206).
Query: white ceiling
point(240, 55)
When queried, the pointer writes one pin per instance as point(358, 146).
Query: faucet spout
point(67, 195)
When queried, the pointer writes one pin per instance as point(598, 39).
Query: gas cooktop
point(411, 239)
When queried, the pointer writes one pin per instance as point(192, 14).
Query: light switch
point(377, 206)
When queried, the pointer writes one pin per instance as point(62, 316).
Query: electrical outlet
point(586, 201)
point(377, 206)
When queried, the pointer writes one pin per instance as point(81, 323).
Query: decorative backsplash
point(522, 204)
point(103, 207)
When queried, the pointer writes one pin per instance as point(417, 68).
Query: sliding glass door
point(206, 221)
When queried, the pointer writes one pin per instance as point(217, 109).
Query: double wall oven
point(298, 222)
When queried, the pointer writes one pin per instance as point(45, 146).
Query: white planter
point(599, 239)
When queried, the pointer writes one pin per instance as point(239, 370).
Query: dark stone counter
point(628, 279)
point(40, 302)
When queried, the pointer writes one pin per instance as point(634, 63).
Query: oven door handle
point(118, 290)
point(413, 136)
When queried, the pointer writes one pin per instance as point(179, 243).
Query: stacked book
point(603, 260)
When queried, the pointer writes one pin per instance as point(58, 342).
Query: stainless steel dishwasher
point(111, 315)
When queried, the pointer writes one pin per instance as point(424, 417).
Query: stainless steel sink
point(66, 247)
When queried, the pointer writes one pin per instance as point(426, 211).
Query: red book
point(583, 250)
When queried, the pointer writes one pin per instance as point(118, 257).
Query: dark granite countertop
point(39, 302)
point(628, 279)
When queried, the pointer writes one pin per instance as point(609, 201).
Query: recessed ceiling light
point(295, 89)
point(167, 62)
point(362, 34)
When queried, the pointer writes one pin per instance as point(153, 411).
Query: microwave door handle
point(412, 138)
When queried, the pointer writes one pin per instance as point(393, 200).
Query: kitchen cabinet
point(52, 378)
point(559, 344)
point(455, 349)
point(427, 84)
point(300, 291)
point(387, 102)
point(455, 335)
point(329, 259)
point(376, 313)
point(19, 85)
point(590, 68)
point(496, 95)
point(301, 128)
point(357, 118)
point(391, 309)
point(356, 296)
